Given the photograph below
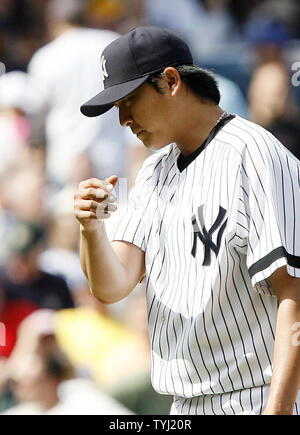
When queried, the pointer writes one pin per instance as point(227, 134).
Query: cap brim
point(105, 100)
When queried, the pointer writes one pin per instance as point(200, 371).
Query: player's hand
point(94, 201)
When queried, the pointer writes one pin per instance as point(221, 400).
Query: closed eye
point(125, 100)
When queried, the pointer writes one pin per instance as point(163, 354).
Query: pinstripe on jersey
point(250, 401)
point(212, 234)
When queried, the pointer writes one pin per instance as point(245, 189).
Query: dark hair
point(58, 366)
point(198, 80)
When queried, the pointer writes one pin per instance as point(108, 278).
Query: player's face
point(146, 112)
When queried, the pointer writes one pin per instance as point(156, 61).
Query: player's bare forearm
point(286, 373)
point(105, 273)
point(114, 269)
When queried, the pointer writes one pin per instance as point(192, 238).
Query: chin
point(155, 146)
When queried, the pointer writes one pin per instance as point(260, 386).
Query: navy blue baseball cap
point(128, 61)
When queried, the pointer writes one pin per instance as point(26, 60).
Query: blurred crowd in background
point(61, 351)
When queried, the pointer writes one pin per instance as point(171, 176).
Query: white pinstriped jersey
point(213, 231)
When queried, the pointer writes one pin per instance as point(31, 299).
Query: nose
point(125, 117)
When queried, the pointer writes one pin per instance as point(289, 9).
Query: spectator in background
point(61, 256)
point(270, 94)
point(273, 105)
point(206, 25)
point(21, 164)
point(12, 313)
point(114, 354)
point(282, 12)
point(119, 15)
point(66, 75)
point(28, 199)
point(43, 380)
point(209, 30)
point(272, 101)
point(19, 100)
point(268, 37)
point(21, 275)
point(22, 31)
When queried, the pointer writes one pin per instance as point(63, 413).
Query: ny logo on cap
point(103, 68)
point(206, 235)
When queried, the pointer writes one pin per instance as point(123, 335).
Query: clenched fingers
point(104, 208)
point(95, 183)
point(94, 199)
point(99, 207)
point(93, 193)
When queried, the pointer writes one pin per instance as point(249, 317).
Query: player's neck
point(197, 123)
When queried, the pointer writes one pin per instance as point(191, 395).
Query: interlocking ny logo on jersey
point(206, 235)
point(103, 68)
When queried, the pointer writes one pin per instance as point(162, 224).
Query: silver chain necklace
point(222, 116)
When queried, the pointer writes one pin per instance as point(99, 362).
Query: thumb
point(113, 179)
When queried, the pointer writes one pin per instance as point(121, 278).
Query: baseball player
point(212, 225)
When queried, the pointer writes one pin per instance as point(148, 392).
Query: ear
point(173, 80)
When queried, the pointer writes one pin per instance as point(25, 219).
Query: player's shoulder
point(241, 132)
point(258, 147)
point(247, 137)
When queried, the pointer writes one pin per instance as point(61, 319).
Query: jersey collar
point(184, 161)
